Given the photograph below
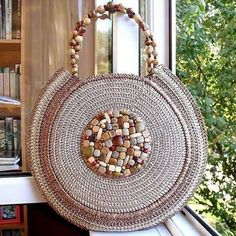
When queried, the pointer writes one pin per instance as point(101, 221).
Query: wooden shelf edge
point(8, 41)
point(8, 105)
point(10, 110)
point(10, 48)
point(12, 226)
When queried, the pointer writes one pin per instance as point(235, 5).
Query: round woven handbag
point(116, 152)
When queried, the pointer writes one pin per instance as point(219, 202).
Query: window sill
point(186, 222)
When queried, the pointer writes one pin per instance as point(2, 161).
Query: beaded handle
point(80, 29)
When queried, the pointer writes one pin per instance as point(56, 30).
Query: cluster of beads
point(116, 143)
point(78, 32)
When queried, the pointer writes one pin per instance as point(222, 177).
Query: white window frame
point(22, 189)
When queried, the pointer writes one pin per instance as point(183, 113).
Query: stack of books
point(10, 19)
point(10, 81)
point(8, 163)
point(11, 232)
point(10, 145)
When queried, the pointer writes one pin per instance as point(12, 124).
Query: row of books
point(11, 232)
point(10, 144)
point(10, 134)
point(10, 19)
point(10, 81)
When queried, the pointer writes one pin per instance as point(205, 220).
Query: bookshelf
point(11, 54)
point(42, 49)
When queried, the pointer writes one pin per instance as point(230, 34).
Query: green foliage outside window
point(206, 63)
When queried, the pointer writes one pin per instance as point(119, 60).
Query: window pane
point(103, 45)
point(206, 63)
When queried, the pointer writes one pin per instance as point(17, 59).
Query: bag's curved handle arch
point(80, 29)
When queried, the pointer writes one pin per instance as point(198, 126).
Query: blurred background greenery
point(206, 63)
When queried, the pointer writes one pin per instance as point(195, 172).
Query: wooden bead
point(149, 50)
point(92, 14)
point(145, 26)
point(137, 18)
point(130, 16)
point(149, 69)
point(100, 9)
point(155, 62)
point(75, 32)
point(82, 30)
point(79, 39)
point(75, 70)
point(154, 53)
point(106, 7)
point(129, 10)
point(142, 25)
point(72, 51)
point(112, 10)
point(86, 21)
point(147, 33)
point(78, 24)
point(149, 60)
point(75, 65)
point(73, 42)
point(109, 5)
point(121, 8)
point(148, 42)
point(154, 44)
point(76, 57)
point(77, 48)
point(73, 61)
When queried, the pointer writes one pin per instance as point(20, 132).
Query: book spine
point(1, 82)
point(16, 19)
point(8, 6)
point(9, 133)
point(12, 83)
point(18, 136)
point(3, 19)
point(18, 31)
point(6, 77)
point(15, 135)
point(2, 135)
point(16, 232)
point(1, 26)
point(17, 79)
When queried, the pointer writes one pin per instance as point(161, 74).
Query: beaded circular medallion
point(116, 143)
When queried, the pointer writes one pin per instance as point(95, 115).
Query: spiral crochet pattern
point(163, 185)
